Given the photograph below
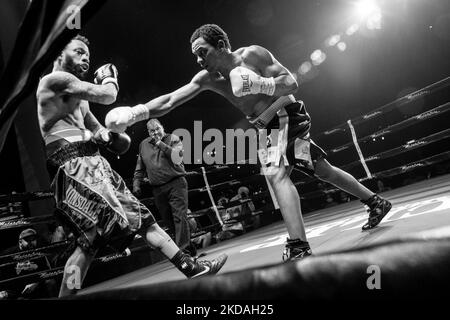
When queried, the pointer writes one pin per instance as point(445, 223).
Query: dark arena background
point(375, 78)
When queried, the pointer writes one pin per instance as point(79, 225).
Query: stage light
point(374, 21)
point(352, 29)
point(369, 13)
point(305, 67)
point(341, 46)
point(317, 57)
point(366, 8)
point(333, 40)
point(316, 54)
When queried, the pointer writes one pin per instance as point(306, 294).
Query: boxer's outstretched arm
point(64, 83)
point(118, 119)
point(163, 104)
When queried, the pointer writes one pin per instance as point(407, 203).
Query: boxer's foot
point(378, 208)
point(296, 249)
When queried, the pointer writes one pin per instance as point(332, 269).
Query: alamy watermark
point(73, 280)
point(74, 19)
point(374, 280)
point(224, 149)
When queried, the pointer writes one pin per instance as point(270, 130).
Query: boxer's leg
point(378, 207)
point(190, 267)
point(341, 179)
point(159, 239)
point(78, 264)
point(289, 201)
point(297, 246)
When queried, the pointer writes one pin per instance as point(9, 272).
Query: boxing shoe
point(296, 249)
point(378, 208)
point(194, 268)
point(207, 267)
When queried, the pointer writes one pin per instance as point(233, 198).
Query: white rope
point(358, 149)
point(216, 211)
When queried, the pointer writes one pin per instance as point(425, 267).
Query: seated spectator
point(250, 220)
point(381, 187)
point(344, 197)
point(198, 238)
point(28, 239)
point(329, 201)
point(231, 227)
point(57, 233)
point(41, 289)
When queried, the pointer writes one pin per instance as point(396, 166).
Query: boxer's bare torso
point(254, 58)
point(251, 105)
point(58, 110)
point(215, 76)
point(62, 113)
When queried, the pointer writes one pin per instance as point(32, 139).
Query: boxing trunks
point(90, 195)
point(284, 136)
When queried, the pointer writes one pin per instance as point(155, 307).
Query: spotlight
point(305, 67)
point(366, 8)
point(374, 21)
point(369, 12)
point(341, 46)
point(316, 54)
point(317, 57)
point(333, 40)
point(352, 29)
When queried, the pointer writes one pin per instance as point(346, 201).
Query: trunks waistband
point(71, 151)
point(267, 115)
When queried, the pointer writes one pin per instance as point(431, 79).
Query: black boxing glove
point(107, 74)
point(117, 143)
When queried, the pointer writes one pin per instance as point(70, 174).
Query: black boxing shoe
point(207, 267)
point(296, 249)
point(378, 208)
point(193, 268)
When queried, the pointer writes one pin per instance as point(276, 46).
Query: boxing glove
point(244, 81)
point(117, 143)
point(118, 119)
point(107, 74)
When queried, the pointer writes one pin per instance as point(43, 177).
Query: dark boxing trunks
point(91, 197)
point(284, 136)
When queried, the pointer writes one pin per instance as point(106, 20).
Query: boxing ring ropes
point(9, 220)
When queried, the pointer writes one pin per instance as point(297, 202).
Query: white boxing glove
point(244, 81)
point(118, 119)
